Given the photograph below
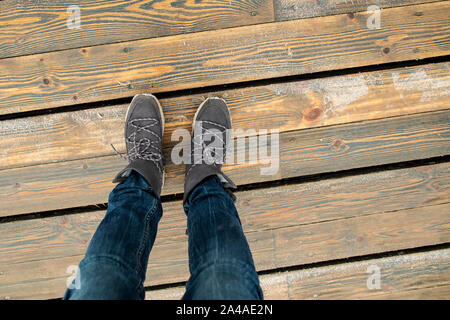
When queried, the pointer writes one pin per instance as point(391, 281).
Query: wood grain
point(424, 275)
point(305, 152)
point(28, 27)
point(223, 56)
point(311, 243)
point(311, 222)
point(300, 9)
point(323, 200)
point(353, 121)
point(285, 107)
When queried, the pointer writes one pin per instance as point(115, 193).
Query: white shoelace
point(145, 148)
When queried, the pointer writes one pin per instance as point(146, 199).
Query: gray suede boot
point(144, 126)
point(211, 131)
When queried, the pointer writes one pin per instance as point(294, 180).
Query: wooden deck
point(363, 115)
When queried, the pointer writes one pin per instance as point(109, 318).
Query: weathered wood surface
point(223, 56)
point(299, 9)
point(311, 222)
point(51, 277)
point(28, 27)
point(424, 275)
point(304, 152)
point(323, 200)
point(285, 107)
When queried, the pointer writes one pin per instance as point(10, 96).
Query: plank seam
point(232, 86)
point(169, 148)
point(328, 263)
point(274, 20)
point(293, 226)
point(299, 180)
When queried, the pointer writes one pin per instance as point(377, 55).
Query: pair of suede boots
point(144, 127)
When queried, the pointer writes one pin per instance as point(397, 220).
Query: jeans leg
point(220, 261)
point(116, 259)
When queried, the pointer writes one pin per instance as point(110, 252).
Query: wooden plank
point(168, 263)
point(342, 197)
point(400, 275)
point(311, 222)
point(424, 275)
point(300, 9)
point(305, 152)
point(285, 107)
point(223, 56)
point(436, 293)
point(28, 27)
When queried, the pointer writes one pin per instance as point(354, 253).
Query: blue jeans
point(220, 261)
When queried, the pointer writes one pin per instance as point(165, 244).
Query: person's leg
point(220, 260)
point(116, 260)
